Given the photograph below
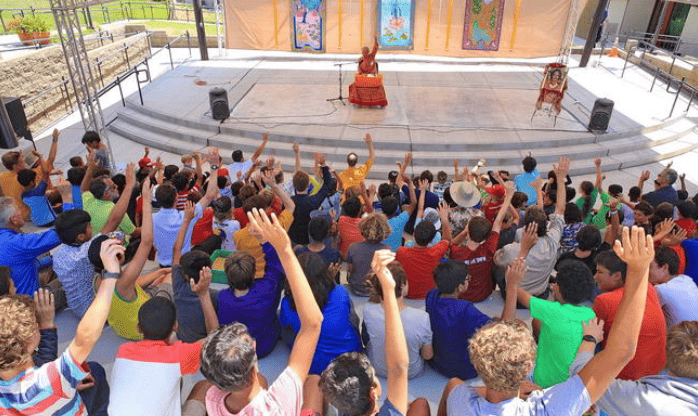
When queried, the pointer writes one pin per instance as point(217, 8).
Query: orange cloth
point(10, 187)
point(244, 241)
point(353, 176)
point(650, 356)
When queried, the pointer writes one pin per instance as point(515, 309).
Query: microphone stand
point(340, 98)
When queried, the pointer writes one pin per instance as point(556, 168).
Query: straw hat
point(465, 194)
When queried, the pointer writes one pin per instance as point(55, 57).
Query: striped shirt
point(45, 390)
point(182, 198)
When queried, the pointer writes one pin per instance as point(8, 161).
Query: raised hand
point(562, 168)
point(381, 259)
point(645, 175)
point(265, 137)
point(368, 139)
point(636, 249)
point(55, 134)
point(320, 159)
point(130, 174)
point(201, 287)
point(594, 328)
point(444, 209)
point(529, 238)
point(675, 237)
point(538, 183)
point(213, 158)
point(423, 185)
point(270, 230)
point(189, 211)
point(268, 176)
point(147, 192)
point(665, 227)
point(111, 252)
point(597, 162)
point(45, 308)
point(510, 188)
point(516, 271)
point(295, 147)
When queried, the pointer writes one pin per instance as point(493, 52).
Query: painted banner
point(396, 24)
point(308, 19)
point(483, 24)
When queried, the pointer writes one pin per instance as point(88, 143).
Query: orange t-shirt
point(650, 356)
point(244, 241)
point(10, 187)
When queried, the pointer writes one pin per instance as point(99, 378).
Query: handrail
point(88, 37)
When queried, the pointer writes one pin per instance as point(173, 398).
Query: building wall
point(689, 36)
point(29, 74)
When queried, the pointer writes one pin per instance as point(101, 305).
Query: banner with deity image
point(396, 24)
point(308, 18)
point(483, 24)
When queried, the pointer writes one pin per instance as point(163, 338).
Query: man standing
point(353, 176)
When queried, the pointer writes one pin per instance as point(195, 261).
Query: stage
point(439, 111)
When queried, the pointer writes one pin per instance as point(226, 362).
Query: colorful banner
point(308, 25)
point(483, 24)
point(396, 24)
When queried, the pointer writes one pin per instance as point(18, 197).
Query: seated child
point(34, 195)
point(678, 293)
point(339, 334)
point(349, 383)
point(253, 302)
point(52, 388)
point(374, 229)
point(560, 322)
point(147, 374)
point(573, 223)
point(441, 185)
point(650, 355)
point(224, 225)
point(414, 321)
point(347, 225)
point(229, 357)
point(318, 230)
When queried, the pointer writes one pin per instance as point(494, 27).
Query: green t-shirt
point(600, 218)
point(560, 337)
point(580, 204)
point(99, 213)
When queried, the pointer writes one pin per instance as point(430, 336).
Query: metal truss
point(65, 12)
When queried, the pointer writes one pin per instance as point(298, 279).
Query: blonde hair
point(18, 326)
point(186, 159)
point(682, 349)
point(503, 354)
point(374, 228)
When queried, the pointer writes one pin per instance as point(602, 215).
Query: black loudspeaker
point(601, 115)
point(219, 103)
point(15, 110)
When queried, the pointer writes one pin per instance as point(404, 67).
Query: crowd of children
point(609, 279)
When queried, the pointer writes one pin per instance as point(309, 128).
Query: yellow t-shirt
point(244, 241)
point(12, 188)
point(354, 176)
point(123, 315)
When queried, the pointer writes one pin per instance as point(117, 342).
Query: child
point(347, 225)
point(454, 321)
point(374, 228)
point(687, 218)
point(52, 388)
point(560, 322)
point(414, 321)
point(34, 195)
point(573, 223)
point(224, 225)
point(650, 355)
point(76, 162)
point(93, 144)
point(483, 238)
point(339, 333)
point(318, 230)
point(616, 191)
point(349, 383)
point(224, 189)
point(442, 184)
point(147, 374)
point(253, 301)
point(229, 357)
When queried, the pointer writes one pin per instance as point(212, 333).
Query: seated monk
point(367, 88)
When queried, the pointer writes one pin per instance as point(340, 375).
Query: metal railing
point(116, 83)
point(125, 10)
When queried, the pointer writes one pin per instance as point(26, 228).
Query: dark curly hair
point(347, 384)
point(575, 281)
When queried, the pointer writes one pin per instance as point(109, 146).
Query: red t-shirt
point(419, 264)
point(240, 217)
point(491, 210)
point(479, 263)
point(203, 228)
point(687, 224)
point(650, 356)
point(348, 233)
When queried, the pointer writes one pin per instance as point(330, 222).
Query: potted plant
point(29, 28)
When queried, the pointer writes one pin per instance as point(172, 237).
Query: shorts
point(193, 408)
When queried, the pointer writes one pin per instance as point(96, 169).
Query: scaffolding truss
point(65, 12)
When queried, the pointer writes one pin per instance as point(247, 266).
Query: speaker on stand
point(600, 115)
point(219, 103)
point(18, 121)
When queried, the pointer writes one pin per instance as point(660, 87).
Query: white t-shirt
point(570, 398)
point(678, 297)
point(226, 229)
point(236, 167)
point(284, 398)
point(417, 333)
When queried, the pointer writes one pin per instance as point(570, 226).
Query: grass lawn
point(106, 13)
point(178, 28)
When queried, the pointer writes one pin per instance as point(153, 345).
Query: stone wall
point(27, 75)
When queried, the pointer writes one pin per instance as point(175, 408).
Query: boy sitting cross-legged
point(147, 374)
point(229, 359)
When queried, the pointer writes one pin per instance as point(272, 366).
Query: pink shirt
point(284, 398)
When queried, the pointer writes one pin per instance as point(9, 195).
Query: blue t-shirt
point(665, 194)
point(18, 251)
point(397, 224)
point(337, 335)
point(41, 212)
point(453, 322)
point(190, 317)
point(77, 196)
point(522, 185)
point(257, 309)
